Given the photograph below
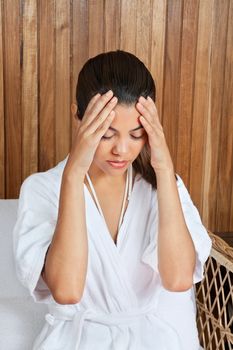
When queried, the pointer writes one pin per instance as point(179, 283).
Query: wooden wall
point(188, 47)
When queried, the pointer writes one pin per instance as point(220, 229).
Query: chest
point(112, 214)
point(111, 206)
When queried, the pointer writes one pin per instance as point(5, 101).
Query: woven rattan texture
point(214, 297)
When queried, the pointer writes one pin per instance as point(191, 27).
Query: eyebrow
point(139, 127)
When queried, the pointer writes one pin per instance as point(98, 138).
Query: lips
point(118, 164)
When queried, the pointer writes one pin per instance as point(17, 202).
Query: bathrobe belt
point(70, 313)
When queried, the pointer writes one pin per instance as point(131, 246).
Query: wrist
point(164, 171)
point(70, 174)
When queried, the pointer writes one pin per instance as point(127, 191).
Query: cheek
point(102, 149)
point(137, 146)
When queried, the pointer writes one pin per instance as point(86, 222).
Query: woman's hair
point(128, 78)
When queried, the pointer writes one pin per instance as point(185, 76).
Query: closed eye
point(134, 137)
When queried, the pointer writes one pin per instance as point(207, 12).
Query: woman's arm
point(65, 265)
point(176, 252)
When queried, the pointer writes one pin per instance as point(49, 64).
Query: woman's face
point(121, 142)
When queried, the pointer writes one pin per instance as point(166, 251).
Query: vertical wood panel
point(112, 15)
point(187, 46)
point(229, 107)
point(159, 14)
point(80, 44)
point(188, 58)
point(29, 89)
point(128, 25)
point(47, 85)
point(170, 113)
point(2, 134)
point(12, 107)
point(217, 79)
point(62, 77)
point(96, 27)
point(224, 202)
point(201, 112)
point(143, 33)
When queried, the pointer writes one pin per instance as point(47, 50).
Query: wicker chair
point(214, 298)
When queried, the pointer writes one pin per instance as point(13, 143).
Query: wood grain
point(186, 88)
point(30, 88)
point(62, 77)
point(224, 202)
point(13, 46)
point(186, 44)
point(79, 46)
point(47, 84)
point(201, 111)
point(170, 112)
point(158, 36)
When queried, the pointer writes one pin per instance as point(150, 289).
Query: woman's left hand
point(160, 155)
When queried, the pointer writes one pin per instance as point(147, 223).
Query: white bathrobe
point(124, 305)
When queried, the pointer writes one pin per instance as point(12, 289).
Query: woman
point(110, 238)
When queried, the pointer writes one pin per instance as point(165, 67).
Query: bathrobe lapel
point(108, 252)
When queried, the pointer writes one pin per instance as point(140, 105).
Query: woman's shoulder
point(45, 180)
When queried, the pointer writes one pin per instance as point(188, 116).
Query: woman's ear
point(74, 109)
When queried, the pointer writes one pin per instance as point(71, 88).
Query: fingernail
point(109, 93)
point(114, 99)
point(141, 98)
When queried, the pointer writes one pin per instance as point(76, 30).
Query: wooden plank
point(96, 27)
point(112, 12)
point(12, 79)
point(62, 76)
point(30, 89)
point(47, 85)
point(187, 46)
point(80, 39)
point(201, 112)
point(170, 112)
point(158, 27)
point(2, 134)
point(218, 52)
point(143, 32)
point(128, 26)
point(188, 58)
point(224, 200)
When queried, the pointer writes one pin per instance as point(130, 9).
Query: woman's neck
point(105, 182)
point(99, 178)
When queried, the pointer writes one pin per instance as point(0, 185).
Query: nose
point(121, 148)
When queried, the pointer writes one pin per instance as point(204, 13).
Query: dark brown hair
point(128, 78)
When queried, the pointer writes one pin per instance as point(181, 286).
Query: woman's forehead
point(126, 117)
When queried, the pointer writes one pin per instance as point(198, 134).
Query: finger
point(153, 109)
point(145, 112)
point(149, 111)
point(92, 102)
point(147, 126)
point(148, 103)
point(98, 106)
point(150, 106)
point(92, 127)
point(105, 125)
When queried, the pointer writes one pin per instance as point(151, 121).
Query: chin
point(116, 173)
point(113, 171)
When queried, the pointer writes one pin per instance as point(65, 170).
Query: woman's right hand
point(97, 118)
